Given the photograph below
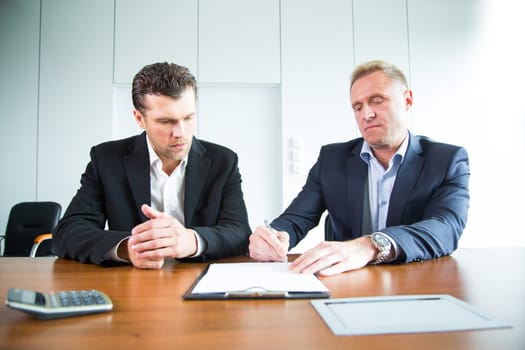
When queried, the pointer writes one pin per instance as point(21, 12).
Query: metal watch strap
point(384, 251)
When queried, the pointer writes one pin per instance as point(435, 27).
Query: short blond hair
point(378, 65)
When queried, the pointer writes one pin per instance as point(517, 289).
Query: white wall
point(75, 87)
point(247, 119)
point(489, 118)
point(19, 67)
point(239, 41)
point(274, 77)
point(153, 31)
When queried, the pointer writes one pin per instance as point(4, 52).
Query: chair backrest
point(328, 229)
point(26, 221)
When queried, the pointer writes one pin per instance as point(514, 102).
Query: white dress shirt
point(167, 191)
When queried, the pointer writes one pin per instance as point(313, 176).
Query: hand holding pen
point(267, 244)
point(269, 227)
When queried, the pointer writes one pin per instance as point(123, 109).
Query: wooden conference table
point(149, 311)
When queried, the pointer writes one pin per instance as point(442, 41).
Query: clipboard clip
point(256, 292)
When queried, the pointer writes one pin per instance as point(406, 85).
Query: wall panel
point(317, 59)
point(388, 41)
point(154, 31)
point(75, 91)
point(247, 120)
point(19, 43)
point(239, 41)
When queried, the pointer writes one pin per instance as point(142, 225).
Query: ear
point(139, 118)
point(409, 99)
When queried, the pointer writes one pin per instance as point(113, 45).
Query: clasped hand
point(159, 238)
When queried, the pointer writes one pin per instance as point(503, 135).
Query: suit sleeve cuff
point(112, 253)
point(201, 245)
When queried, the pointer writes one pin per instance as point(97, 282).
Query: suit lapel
point(357, 175)
point(406, 179)
point(136, 164)
point(196, 173)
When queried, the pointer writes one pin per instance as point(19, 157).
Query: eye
point(377, 100)
point(165, 122)
point(357, 107)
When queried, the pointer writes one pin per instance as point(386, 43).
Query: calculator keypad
point(76, 298)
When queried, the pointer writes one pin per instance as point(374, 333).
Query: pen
point(269, 227)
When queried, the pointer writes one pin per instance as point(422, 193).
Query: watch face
point(381, 240)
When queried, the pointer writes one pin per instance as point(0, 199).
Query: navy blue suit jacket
point(117, 182)
point(428, 206)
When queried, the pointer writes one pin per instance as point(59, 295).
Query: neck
point(168, 166)
point(384, 155)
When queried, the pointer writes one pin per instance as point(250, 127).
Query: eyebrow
point(173, 118)
point(374, 95)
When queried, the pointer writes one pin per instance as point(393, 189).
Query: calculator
point(59, 304)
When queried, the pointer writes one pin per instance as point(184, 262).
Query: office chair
point(27, 222)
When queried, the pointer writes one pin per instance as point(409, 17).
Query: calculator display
point(25, 296)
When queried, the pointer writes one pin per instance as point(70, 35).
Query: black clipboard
point(254, 292)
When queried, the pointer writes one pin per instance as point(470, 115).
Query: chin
point(376, 144)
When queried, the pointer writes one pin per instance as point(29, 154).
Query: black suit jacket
point(428, 205)
point(117, 182)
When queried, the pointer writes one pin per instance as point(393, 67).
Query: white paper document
point(252, 276)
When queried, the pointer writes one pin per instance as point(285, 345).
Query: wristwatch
point(383, 244)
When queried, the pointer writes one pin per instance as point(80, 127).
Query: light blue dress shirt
point(380, 184)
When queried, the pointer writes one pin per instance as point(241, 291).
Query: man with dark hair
point(161, 194)
point(391, 196)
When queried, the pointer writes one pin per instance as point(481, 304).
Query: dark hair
point(166, 79)
point(389, 69)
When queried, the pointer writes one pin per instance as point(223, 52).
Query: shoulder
point(122, 144)
point(212, 150)
point(428, 146)
point(343, 148)
point(110, 150)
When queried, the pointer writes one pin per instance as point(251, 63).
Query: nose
point(369, 113)
point(178, 129)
